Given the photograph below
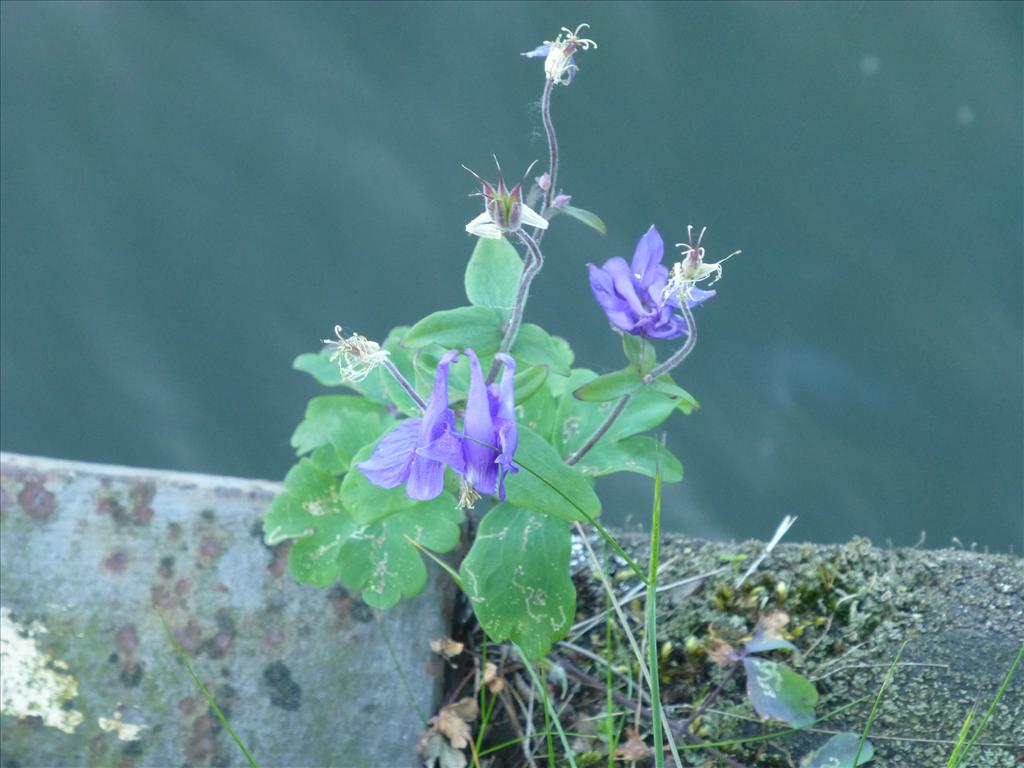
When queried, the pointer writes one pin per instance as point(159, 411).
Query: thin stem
point(549, 129)
point(708, 700)
point(534, 263)
point(684, 351)
point(404, 382)
point(584, 449)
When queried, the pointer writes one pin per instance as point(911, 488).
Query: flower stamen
point(356, 355)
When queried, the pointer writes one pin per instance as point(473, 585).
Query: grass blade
point(991, 707)
point(878, 699)
point(206, 694)
point(549, 709)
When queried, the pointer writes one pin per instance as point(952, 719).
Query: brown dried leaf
point(772, 624)
point(634, 749)
point(446, 647)
point(720, 651)
point(495, 684)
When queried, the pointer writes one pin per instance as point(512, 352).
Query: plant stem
point(651, 629)
point(534, 263)
point(584, 449)
point(404, 382)
point(660, 370)
point(549, 129)
point(683, 352)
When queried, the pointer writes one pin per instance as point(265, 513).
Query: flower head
point(356, 355)
point(490, 424)
point(559, 62)
point(692, 269)
point(633, 295)
point(504, 210)
point(416, 451)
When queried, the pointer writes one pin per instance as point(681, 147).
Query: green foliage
point(492, 275)
point(632, 454)
point(639, 351)
point(535, 346)
point(475, 327)
point(516, 576)
point(778, 692)
point(592, 220)
point(611, 386)
point(546, 484)
point(839, 752)
point(382, 560)
point(342, 423)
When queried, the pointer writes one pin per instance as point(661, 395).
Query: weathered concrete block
point(88, 556)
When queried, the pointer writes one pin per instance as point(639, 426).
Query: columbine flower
point(634, 296)
point(490, 419)
point(416, 451)
point(559, 62)
point(356, 356)
point(692, 269)
point(504, 210)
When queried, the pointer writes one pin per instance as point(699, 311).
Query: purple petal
point(448, 449)
point(647, 257)
point(622, 281)
point(540, 50)
point(388, 466)
point(613, 305)
point(479, 427)
point(426, 474)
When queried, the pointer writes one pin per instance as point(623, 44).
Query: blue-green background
point(193, 194)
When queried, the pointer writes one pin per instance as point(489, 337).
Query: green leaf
point(367, 502)
point(311, 511)
point(379, 560)
point(577, 420)
point(611, 386)
point(538, 413)
point(639, 351)
point(344, 422)
point(475, 327)
point(778, 692)
point(632, 454)
point(530, 382)
point(546, 484)
point(664, 385)
point(314, 559)
point(535, 346)
point(592, 220)
point(517, 578)
point(493, 274)
point(319, 366)
point(839, 752)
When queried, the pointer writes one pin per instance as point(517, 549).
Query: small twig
point(404, 382)
point(534, 263)
point(683, 352)
point(708, 700)
point(549, 130)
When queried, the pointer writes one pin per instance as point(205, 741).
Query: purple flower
point(490, 419)
point(633, 295)
point(416, 451)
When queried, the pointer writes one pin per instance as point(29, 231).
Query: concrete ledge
point(90, 553)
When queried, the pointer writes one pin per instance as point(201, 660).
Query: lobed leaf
point(517, 578)
point(380, 559)
point(343, 423)
point(639, 351)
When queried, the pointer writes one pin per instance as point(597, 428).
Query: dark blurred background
point(195, 193)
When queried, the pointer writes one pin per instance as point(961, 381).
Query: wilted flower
point(634, 296)
point(490, 421)
point(692, 269)
point(416, 451)
point(504, 210)
point(559, 62)
point(356, 355)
